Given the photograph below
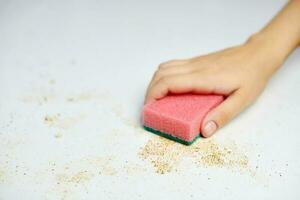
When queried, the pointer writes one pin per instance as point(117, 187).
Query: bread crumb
point(79, 177)
point(162, 153)
point(51, 120)
point(62, 123)
point(165, 155)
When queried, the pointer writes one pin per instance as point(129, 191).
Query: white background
point(90, 61)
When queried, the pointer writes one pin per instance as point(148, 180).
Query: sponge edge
point(176, 139)
point(179, 117)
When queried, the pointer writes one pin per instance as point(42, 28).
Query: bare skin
point(239, 73)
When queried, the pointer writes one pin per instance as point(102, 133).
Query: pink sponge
point(179, 117)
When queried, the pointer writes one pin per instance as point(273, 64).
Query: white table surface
point(85, 66)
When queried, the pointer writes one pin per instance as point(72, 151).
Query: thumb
point(223, 113)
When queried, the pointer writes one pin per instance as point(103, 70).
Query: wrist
point(268, 52)
point(270, 45)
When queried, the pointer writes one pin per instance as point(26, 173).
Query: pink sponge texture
point(179, 115)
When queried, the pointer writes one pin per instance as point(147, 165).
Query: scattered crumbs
point(78, 173)
point(63, 123)
point(81, 170)
point(162, 153)
point(8, 170)
point(104, 164)
point(51, 119)
point(76, 178)
point(217, 155)
point(165, 155)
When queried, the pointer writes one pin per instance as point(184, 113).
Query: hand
point(239, 73)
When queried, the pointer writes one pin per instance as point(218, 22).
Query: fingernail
point(210, 128)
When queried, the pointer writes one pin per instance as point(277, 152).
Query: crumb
point(165, 155)
point(162, 153)
point(50, 120)
point(62, 123)
point(79, 177)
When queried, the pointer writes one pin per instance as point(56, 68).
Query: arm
point(240, 73)
point(282, 34)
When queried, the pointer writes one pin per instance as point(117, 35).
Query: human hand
point(239, 73)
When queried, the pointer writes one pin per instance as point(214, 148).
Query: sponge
point(179, 116)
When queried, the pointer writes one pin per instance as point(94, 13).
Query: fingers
point(183, 83)
point(224, 113)
point(172, 67)
point(174, 70)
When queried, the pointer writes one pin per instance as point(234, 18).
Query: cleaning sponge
point(179, 117)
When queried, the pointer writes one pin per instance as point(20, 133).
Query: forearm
point(282, 35)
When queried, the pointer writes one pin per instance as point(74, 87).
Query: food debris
point(216, 155)
point(79, 177)
point(162, 153)
point(62, 123)
point(165, 155)
point(51, 120)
